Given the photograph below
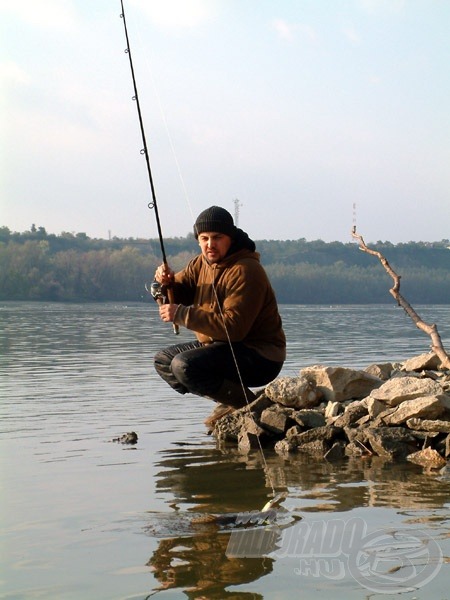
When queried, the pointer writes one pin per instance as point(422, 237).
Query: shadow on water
point(200, 560)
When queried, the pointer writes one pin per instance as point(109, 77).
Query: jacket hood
point(241, 241)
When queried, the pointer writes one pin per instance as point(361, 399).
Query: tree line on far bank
point(35, 265)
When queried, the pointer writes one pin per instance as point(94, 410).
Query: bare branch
point(430, 329)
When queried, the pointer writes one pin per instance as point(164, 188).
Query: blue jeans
point(202, 369)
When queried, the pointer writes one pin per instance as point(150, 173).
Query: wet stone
point(391, 442)
point(429, 458)
point(130, 438)
point(275, 420)
point(316, 448)
point(336, 452)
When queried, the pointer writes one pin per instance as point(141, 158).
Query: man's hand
point(164, 275)
point(167, 312)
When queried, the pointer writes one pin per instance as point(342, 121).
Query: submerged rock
point(429, 458)
point(127, 438)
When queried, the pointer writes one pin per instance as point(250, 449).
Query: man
point(225, 297)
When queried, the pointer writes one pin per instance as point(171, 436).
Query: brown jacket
point(231, 301)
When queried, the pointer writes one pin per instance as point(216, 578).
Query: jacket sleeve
point(184, 285)
point(238, 298)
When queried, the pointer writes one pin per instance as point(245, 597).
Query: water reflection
point(196, 560)
point(195, 480)
point(199, 566)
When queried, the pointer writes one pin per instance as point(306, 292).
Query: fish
point(264, 516)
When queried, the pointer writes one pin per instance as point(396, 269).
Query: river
point(84, 518)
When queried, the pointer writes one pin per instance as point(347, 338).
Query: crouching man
point(224, 296)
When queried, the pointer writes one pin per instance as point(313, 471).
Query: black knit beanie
point(215, 219)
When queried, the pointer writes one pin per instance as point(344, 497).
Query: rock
point(354, 449)
point(399, 389)
point(276, 419)
point(338, 384)
point(428, 457)
point(309, 418)
point(352, 413)
point(250, 425)
point(296, 392)
point(429, 425)
point(257, 406)
point(422, 362)
point(326, 433)
point(382, 371)
point(227, 429)
point(336, 452)
point(427, 407)
point(332, 409)
point(247, 441)
point(364, 414)
point(316, 448)
point(363, 420)
point(391, 442)
point(375, 407)
point(294, 430)
point(127, 438)
point(378, 421)
point(286, 446)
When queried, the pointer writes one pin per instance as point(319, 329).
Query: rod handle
point(171, 299)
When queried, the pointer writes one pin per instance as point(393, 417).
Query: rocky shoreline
point(396, 411)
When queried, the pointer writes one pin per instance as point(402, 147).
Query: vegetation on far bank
point(35, 265)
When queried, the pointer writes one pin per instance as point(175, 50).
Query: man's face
point(214, 245)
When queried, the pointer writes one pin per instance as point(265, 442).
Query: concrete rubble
point(397, 411)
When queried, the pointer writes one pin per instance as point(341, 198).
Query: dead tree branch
point(431, 330)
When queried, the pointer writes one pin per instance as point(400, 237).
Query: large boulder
point(422, 362)
point(399, 389)
point(426, 407)
point(339, 384)
point(295, 392)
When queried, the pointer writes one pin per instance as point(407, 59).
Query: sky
point(302, 118)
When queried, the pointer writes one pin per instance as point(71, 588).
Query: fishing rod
point(155, 290)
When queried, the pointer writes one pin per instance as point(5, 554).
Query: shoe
point(232, 393)
point(220, 411)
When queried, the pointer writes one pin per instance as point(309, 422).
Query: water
point(86, 518)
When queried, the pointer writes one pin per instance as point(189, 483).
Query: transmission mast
point(237, 205)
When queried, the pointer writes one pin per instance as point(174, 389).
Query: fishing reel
point(156, 292)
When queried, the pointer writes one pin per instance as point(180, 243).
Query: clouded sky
point(314, 114)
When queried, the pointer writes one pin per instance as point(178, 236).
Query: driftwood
point(430, 329)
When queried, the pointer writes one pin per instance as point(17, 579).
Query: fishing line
point(187, 198)
point(266, 466)
point(166, 126)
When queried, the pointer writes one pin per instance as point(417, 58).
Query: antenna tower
point(237, 205)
